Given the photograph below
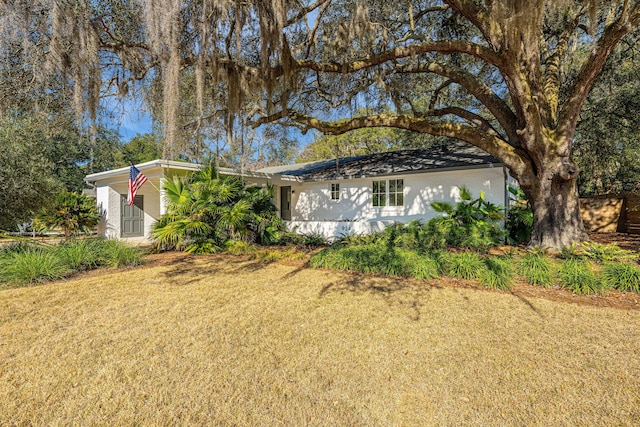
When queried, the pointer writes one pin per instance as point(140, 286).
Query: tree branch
point(473, 119)
point(568, 117)
point(444, 47)
point(475, 87)
point(514, 158)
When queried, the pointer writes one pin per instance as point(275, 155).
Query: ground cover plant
point(30, 263)
point(224, 340)
point(408, 251)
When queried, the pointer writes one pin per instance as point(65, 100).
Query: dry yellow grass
point(222, 341)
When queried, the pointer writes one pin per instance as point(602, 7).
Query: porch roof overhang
point(158, 168)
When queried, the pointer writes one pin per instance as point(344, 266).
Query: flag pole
point(153, 185)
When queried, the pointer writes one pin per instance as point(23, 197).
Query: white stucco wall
point(314, 211)
point(108, 198)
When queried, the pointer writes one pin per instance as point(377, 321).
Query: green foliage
point(377, 258)
point(141, 148)
point(80, 255)
point(207, 210)
point(607, 143)
point(606, 253)
point(25, 170)
point(472, 223)
point(116, 254)
point(313, 240)
point(464, 265)
point(519, 225)
point(578, 277)
point(23, 265)
point(622, 276)
point(362, 141)
point(498, 273)
point(536, 268)
point(74, 213)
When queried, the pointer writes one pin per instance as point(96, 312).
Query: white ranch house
point(358, 194)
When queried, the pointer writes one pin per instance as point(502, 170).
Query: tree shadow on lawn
point(396, 291)
point(409, 292)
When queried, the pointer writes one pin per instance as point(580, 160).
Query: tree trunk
point(556, 212)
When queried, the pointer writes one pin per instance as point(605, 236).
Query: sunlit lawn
point(224, 341)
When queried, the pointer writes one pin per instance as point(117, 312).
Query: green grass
point(464, 265)
point(577, 276)
point(622, 276)
point(27, 264)
point(536, 268)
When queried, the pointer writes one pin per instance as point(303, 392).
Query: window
point(388, 193)
point(396, 192)
point(335, 191)
point(379, 193)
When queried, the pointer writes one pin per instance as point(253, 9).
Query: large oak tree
point(489, 72)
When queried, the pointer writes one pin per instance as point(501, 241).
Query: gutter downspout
point(505, 171)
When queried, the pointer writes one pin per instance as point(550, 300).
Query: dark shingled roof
point(455, 155)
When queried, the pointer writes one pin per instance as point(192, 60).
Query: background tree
point(27, 183)
point(607, 143)
point(141, 148)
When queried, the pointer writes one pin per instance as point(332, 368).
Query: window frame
point(379, 197)
point(334, 191)
point(384, 197)
point(396, 197)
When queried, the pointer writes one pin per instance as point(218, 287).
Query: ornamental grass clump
point(24, 265)
point(498, 273)
point(536, 268)
point(80, 255)
point(578, 277)
point(622, 276)
point(464, 265)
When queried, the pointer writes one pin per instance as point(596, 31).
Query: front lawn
point(222, 340)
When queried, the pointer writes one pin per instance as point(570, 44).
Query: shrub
point(577, 276)
point(606, 253)
point(206, 210)
point(472, 223)
point(519, 225)
point(377, 258)
point(74, 213)
point(536, 268)
point(464, 265)
point(80, 255)
point(622, 276)
point(27, 265)
point(498, 273)
point(115, 254)
point(313, 240)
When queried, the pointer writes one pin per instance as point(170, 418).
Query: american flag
point(136, 179)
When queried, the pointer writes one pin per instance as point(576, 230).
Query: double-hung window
point(379, 193)
point(388, 192)
point(396, 192)
point(335, 191)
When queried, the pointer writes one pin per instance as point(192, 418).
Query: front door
point(285, 203)
point(132, 218)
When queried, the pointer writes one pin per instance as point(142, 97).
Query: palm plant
point(74, 213)
point(206, 210)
